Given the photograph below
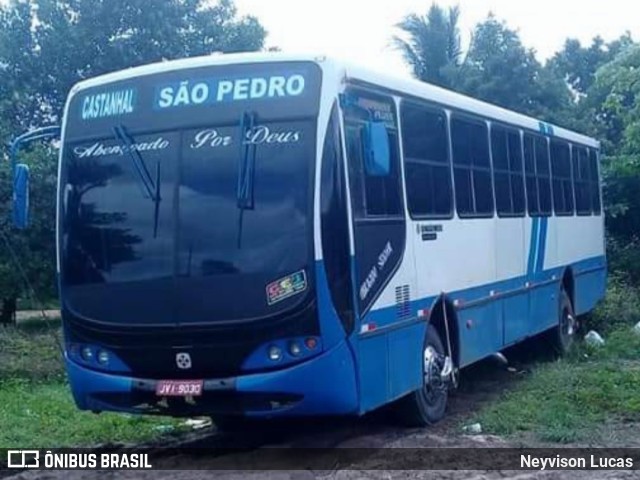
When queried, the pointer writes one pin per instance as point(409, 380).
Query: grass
point(568, 400)
point(36, 407)
point(620, 308)
point(30, 303)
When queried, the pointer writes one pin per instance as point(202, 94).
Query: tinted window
point(426, 160)
point(508, 176)
point(335, 224)
point(595, 182)
point(536, 163)
point(471, 168)
point(373, 196)
point(195, 238)
point(561, 175)
point(112, 235)
point(582, 180)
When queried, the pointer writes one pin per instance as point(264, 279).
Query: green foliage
point(614, 100)
point(570, 400)
point(614, 97)
point(31, 353)
point(76, 39)
point(36, 400)
point(578, 64)
point(620, 308)
point(621, 344)
point(430, 44)
point(624, 259)
point(44, 416)
point(498, 68)
point(612, 105)
point(34, 247)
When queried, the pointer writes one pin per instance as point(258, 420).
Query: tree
point(614, 100)
point(499, 69)
point(35, 247)
point(431, 44)
point(48, 45)
point(578, 64)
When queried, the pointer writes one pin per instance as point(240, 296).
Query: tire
point(425, 406)
point(563, 335)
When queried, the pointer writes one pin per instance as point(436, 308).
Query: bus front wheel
point(427, 405)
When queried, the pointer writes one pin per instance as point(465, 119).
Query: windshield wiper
point(246, 173)
point(151, 188)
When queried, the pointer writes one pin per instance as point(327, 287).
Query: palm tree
point(430, 44)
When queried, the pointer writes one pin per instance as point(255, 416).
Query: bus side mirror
point(21, 196)
point(377, 150)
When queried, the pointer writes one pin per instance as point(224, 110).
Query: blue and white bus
point(268, 235)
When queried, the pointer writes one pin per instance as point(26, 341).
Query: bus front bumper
point(324, 385)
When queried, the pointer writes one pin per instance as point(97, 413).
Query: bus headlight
point(103, 357)
point(294, 349)
point(87, 354)
point(275, 354)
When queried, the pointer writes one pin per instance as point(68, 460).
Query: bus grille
point(403, 302)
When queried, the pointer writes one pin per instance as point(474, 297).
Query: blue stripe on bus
point(530, 312)
point(533, 244)
point(542, 244)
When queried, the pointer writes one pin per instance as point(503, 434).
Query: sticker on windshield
point(286, 287)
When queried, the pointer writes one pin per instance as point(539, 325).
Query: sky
point(361, 30)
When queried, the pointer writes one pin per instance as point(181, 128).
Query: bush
point(623, 256)
point(621, 306)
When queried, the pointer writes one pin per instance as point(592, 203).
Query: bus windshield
point(186, 225)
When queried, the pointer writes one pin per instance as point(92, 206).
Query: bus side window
point(471, 168)
point(374, 195)
point(536, 160)
point(543, 175)
point(530, 174)
point(561, 175)
point(426, 161)
point(582, 180)
point(507, 171)
point(596, 204)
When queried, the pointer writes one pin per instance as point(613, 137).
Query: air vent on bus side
point(403, 302)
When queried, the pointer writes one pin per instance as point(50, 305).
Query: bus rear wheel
point(563, 335)
point(427, 405)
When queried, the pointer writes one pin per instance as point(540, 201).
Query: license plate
point(179, 388)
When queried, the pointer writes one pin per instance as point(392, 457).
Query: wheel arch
point(568, 285)
point(437, 319)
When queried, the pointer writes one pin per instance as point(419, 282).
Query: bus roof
point(356, 74)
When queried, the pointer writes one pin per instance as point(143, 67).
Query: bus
point(266, 235)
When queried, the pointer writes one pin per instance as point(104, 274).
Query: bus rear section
point(188, 275)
